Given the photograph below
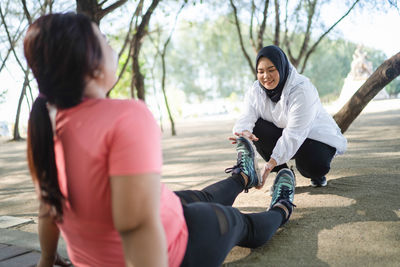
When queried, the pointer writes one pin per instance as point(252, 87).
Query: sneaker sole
point(249, 146)
point(320, 185)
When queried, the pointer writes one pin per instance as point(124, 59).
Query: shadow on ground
point(355, 221)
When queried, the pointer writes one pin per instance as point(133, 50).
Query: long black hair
point(63, 51)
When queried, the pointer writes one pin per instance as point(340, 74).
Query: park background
point(352, 222)
point(189, 60)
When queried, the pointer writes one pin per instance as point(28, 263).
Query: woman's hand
point(246, 134)
point(51, 261)
point(266, 171)
point(61, 261)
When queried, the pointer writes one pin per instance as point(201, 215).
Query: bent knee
point(312, 168)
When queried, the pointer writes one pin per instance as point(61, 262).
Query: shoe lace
point(284, 194)
point(238, 165)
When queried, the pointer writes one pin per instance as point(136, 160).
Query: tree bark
point(137, 77)
point(277, 23)
point(306, 48)
point(164, 71)
point(94, 10)
point(383, 75)
point(312, 49)
point(237, 23)
point(171, 119)
point(16, 133)
point(261, 30)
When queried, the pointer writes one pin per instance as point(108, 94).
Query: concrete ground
point(355, 221)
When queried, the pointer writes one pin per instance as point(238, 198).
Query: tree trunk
point(137, 77)
point(90, 8)
point(277, 23)
point(16, 134)
point(140, 31)
point(171, 119)
point(237, 23)
point(164, 71)
point(94, 10)
point(383, 75)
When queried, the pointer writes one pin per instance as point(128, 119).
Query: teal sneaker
point(246, 163)
point(283, 191)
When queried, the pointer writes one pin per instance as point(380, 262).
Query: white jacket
point(299, 112)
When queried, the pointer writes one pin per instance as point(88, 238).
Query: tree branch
point(253, 43)
point(277, 23)
point(3, 64)
point(172, 30)
point(111, 8)
point(10, 40)
point(241, 38)
point(311, 50)
point(383, 75)
point(287, 38)
point(262, 27)
point(26, 12)
point(141, 31)
point(311, 13)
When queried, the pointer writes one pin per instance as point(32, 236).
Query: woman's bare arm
point(136, 215)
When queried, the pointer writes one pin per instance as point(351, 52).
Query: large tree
point(162, 51)
point(301, 21)
point(382, 76)
point(141, 29)
point(13, 33)
point(25, 12)
point(137, 30)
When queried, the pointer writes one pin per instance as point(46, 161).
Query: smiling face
point(267, 73)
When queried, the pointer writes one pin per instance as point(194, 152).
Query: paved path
point(15, 256)
point(355, 221)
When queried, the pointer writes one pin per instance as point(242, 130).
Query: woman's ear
point(98, 74)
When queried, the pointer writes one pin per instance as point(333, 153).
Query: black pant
point(313, 159)
point(215, 227)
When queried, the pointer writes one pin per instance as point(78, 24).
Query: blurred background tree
point(210, 53)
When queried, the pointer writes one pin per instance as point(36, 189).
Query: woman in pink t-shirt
point(96, 165)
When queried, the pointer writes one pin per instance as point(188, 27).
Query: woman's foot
point(246, 164)
point(319, 182)
point(283, 192)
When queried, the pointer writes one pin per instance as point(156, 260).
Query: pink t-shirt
point(95, 140)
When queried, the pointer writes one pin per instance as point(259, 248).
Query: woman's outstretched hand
point(266, 170)
point(264, 173)
point(246, 134)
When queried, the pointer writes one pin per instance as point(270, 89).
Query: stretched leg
point(215, 229)
point(244, 176)
point(313, 159)
point(268, 134)
point(223, 192)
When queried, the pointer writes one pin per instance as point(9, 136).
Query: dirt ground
point(354, 221)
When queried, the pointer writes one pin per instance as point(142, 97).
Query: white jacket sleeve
point(249, 116)
point(302, 111)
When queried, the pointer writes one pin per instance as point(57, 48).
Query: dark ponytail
point(41, 157)
point(63, 51)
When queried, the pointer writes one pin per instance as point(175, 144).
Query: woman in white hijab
point(284, 118)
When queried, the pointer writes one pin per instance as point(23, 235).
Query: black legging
point(313, 159)
point(215, 227)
